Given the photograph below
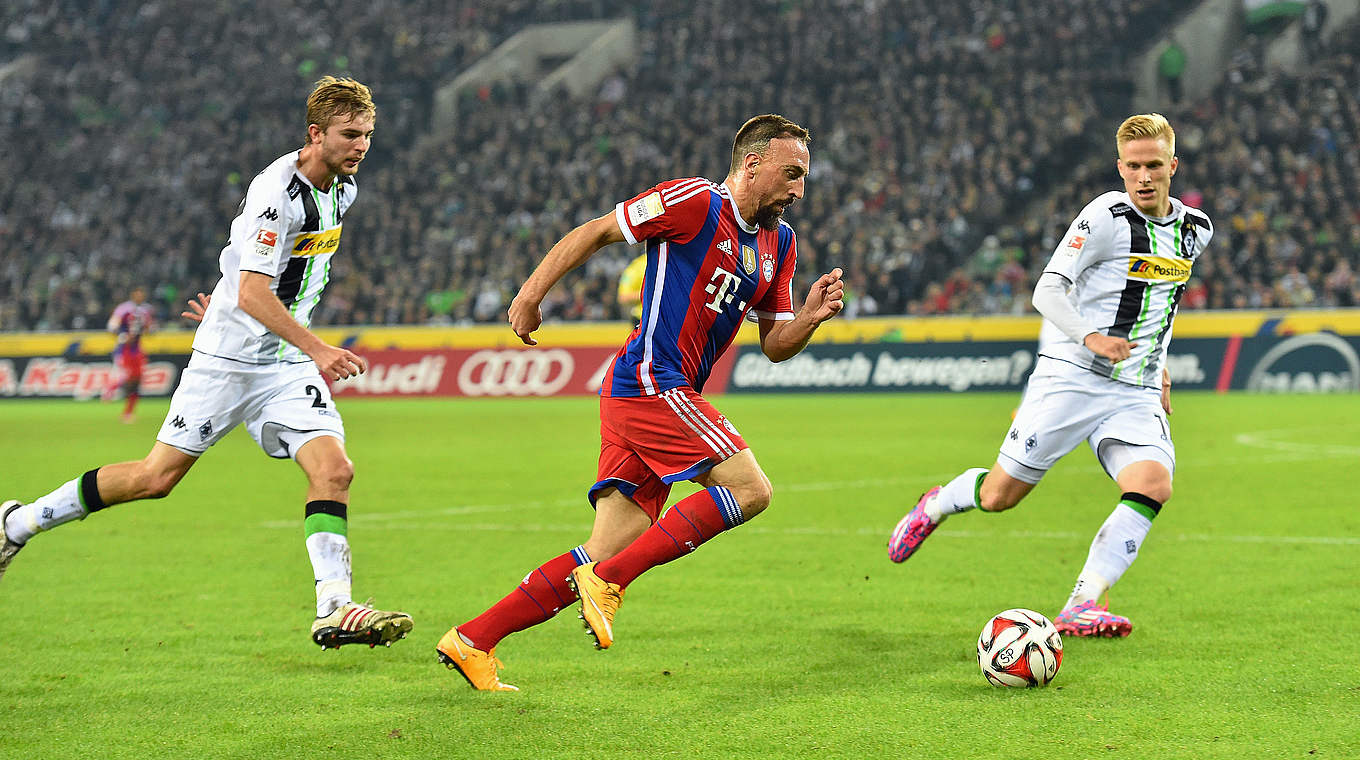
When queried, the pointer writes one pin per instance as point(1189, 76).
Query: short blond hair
point(1142, 125)
point(335, 98)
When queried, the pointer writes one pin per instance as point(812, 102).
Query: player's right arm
point(673, 210)
point(258, 300)
point(569, 252)
point(1089, 237)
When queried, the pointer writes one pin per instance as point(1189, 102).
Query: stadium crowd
point(943, 149)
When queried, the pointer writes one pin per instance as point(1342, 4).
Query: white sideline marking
point(420, 519)
point(1208, 538)
point(1262, 439)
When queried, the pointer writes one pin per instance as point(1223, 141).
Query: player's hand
point(197, 307)
point(1114, 349)
point(1166, 392)
point(525, 317)
point(338, 363)
point(826, 297)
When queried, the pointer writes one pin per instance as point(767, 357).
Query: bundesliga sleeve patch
point(645, 209)
point(1077, 242)
point(265, 242)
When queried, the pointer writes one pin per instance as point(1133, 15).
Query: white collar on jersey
point(1176, 208)
point(736, 212)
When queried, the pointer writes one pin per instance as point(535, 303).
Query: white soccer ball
point(1019, 647)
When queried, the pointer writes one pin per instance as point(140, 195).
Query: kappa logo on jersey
point(646, 208)
point(748, 259)
point(317, 243)
point(178, 423)
point(269, 214)
point(1159, 269)
point(726, 247)
point(1084, 226)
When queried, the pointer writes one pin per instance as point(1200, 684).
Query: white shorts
point(282, 405)
point(1065, 404)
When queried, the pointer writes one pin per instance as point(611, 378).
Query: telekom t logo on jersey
point(723, 286)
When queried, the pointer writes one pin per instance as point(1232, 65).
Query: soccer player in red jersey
point(130, 320)
point(716, 253)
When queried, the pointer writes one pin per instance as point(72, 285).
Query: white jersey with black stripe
point(1128, 272)
point(288, 229)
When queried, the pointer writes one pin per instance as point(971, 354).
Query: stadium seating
point(943, 149)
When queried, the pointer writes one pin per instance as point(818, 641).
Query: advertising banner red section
point(495, 372)
point(81, 377)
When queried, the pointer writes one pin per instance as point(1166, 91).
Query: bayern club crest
point(767, 269)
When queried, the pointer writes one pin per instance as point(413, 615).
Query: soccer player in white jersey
point(255, 362)
point(1108, 297)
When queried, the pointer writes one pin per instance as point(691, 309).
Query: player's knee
point(754, 497)
point(1159, 492)
point(338, 473)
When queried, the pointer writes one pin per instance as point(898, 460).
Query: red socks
point(692, 521)
point(542, 594)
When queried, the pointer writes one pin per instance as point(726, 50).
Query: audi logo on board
point(511, 372)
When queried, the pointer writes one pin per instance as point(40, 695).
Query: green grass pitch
point(179, 628)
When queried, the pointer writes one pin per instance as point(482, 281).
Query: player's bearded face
point(346, 141)
point(782, 178)
point(768, 215)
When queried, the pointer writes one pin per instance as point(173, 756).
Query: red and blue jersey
point(707, 270)
point(130, 320)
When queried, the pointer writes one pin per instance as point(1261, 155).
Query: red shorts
point(131, 364)
point(649, 442)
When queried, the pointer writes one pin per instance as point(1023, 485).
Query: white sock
point(45, 513)
point(329, 553)
point(1112, 552)
point(958, 495)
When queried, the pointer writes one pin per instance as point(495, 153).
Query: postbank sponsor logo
point(1159, 269)
point(317, 243)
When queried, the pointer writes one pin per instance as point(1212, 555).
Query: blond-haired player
point(256, 362)
point(1108, 297)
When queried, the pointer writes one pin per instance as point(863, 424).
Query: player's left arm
point(569, 252)
point(780, 340)
point(1166, 391)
